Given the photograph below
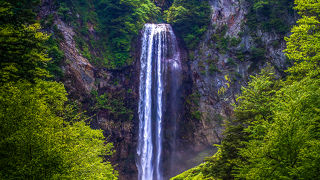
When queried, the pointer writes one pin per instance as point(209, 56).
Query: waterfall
point(159, 57)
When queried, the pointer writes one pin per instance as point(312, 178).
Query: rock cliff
point(224, 61)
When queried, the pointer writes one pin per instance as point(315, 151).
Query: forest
point(49, 132)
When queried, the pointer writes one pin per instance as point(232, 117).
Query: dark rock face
point(219, 75)
point(122, 132)
point(164, 4)
point(79, 73)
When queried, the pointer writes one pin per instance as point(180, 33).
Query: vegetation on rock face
point(269, 15)
point(106, 29)
point(164, 4)
point(121, 21)
point(114, 103)
point(116, 24)
point(275, 131)
point(41, 136)
point(190, 19)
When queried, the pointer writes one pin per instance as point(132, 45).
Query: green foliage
point(231, 62)
point(282, 141)
point(23, 48)
point(116, 23)
point(212, 66)
point(192, 174)
point(64, 12)
point(121, 21)
point(240, 55)
point(288, 146)
point(192, 102)
point(18, 12)
point(57, 57)
point(82, 16)
point(36, 141)
point(164, 4)
point(114, 103)
point(22, 52)
point(190, 19)
point(268, 15)
point(235, 41)
point(303, 46)
point(257, 54)
point(224, 43)
point(202, 67)
point(254, 107)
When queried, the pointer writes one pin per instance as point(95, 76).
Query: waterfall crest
point(159, 57)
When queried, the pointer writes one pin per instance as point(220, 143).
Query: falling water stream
point(159, 57)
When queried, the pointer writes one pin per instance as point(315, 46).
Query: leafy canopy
point(37, 142)
point(190, 19)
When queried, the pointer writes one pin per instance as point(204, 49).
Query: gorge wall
point(227, 55)
point(213, 74)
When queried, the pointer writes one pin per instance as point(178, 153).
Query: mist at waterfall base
point(160, 101)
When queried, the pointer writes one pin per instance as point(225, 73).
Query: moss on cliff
point(190, 19)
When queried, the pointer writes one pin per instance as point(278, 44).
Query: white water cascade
point(159, 57)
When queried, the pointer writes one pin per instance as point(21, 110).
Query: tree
point(303, 46)
point(253, 114)
point(290, 148)
point(22, 53)
point(36, 141)
point(18, 12)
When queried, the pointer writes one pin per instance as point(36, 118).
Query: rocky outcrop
point(121, 86)
point(218, 74)
point(79, 73)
